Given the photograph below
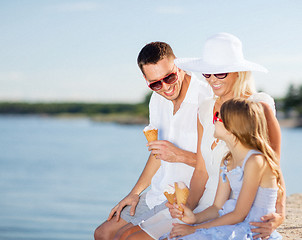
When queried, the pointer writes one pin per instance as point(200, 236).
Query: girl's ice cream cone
point(169, 192)
point(182, 193)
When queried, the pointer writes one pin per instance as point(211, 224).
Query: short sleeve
point(264, 97)
point(153, 108)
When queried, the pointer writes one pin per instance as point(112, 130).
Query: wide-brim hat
point(222, 53)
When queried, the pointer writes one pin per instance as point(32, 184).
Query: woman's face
point(223, 87)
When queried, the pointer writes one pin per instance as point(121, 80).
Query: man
point(173, 111)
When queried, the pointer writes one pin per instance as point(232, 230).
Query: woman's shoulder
point(261, 96)
point(265, 98)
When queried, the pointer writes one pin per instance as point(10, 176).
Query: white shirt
point(181, 130)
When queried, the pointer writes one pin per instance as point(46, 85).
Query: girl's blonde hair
point(247, 122)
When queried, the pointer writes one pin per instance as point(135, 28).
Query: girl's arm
point(253, 172)
point(200, 174)
point(222, 195)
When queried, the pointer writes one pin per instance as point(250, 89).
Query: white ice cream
point(149, 127)
point(181, 185)
point(169, 189)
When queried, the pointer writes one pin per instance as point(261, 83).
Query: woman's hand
point(270, 223)
point(180, 230)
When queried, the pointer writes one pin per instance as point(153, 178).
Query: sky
point(63, 50)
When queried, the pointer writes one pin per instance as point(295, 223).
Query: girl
point(250, 171)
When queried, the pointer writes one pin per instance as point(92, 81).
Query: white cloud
point(78, 7)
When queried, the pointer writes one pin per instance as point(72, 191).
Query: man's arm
point(167, 151)
point(143, 182)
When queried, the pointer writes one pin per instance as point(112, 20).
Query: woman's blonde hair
point(244, 85)
point(247, 122)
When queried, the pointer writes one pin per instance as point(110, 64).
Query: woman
point(229, 75)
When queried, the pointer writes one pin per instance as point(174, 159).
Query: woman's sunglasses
point(218, 75)
point(157, 85)
point(216, 118)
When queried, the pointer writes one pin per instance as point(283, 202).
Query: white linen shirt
point(181, 130)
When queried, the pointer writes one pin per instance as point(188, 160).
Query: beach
point(291, 229)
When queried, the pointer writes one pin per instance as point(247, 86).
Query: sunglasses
point(218, 75)
point(216, 118)
point(157, 85)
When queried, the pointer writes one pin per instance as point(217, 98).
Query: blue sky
point(60, 50)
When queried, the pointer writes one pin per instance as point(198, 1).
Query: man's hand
point(130, 199)
point(164, 150)
point(270, 223)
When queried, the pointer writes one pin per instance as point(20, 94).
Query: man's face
point(164, 67)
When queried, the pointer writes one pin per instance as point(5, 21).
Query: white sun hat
point(222, 53)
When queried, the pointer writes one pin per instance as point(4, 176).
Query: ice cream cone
point(182, 193)
point(151, 135)
point(169, 192)
point(170, 197)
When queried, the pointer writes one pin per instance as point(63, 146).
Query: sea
point(60, 177)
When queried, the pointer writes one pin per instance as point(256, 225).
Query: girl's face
point(223, 87)
point(220, 131)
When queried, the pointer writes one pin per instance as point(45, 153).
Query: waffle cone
point(182, 195)
point(170, 197)
point(151, 135)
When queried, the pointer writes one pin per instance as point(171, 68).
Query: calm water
point(59, 178)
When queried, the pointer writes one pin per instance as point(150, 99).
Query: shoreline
point(128, 119)
point(290, 122)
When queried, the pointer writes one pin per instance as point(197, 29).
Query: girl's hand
point(188, 216)
point(180, 230)
point(174, 211)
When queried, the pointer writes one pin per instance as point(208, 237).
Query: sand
point(291, 229)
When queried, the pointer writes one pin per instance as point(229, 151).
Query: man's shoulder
point(156, 98)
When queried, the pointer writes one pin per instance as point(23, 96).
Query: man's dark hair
point(154, 52)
